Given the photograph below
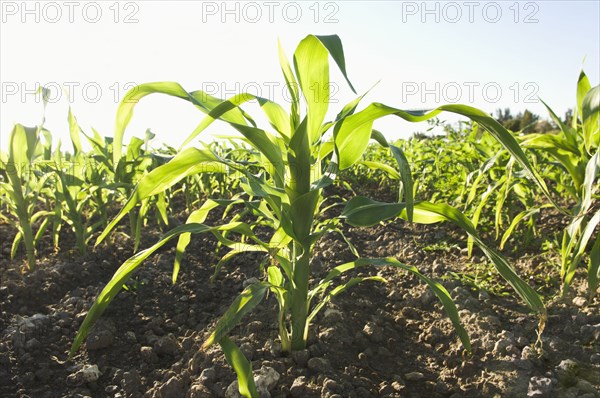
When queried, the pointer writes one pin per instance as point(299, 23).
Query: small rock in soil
point(100, 339)
point(528, 353)
point(255, 326)
point(503, 345)
point(265, 380)
point(130, 337)
point(299, 387)
point(301, 357)
point(567, 372)
point(87, 374)
point(34, 323)
point(320, 365)
point(373, 332)
point(414, 376)
point(167, 345)
point(199, 390)
point(33, 345)
point(330, 386)
point(427, 297)
point(586, 387)
point(208, 375)
point(173, 388)
point(273, 347)
point(148, 355)
point(590, 333)
point(397, 386)
point(131, 381)
point(539, 387)
point(332, 316)
point(248, 350)
point(580, 301)
point(195, 364)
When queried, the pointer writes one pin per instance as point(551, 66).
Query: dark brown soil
point(378, 340)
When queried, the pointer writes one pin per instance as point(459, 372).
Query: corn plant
point(109, 182)
point(22, 187)
point(575, 149)
point(292, 161)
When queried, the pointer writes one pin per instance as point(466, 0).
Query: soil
point(376, 340)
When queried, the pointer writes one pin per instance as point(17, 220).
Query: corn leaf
point(311, 62)
point(244, 303)
point(438, 289)
point(241, 366)
point(361, 211)
point(188, 162)
point(591, 113)
point(201, 100)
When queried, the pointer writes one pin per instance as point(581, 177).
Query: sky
point(487, 54)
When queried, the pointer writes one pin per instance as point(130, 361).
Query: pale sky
point(425, 54)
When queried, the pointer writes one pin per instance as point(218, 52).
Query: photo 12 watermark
point(470, 92)
point(52, 12)
point(54, 92)
point(470, 11)
point(270, 90)
point(253, 12)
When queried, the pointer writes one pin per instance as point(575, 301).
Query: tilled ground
point(378, 340)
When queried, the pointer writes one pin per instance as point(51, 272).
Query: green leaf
point(439, 290)
point(292, 87)
point(196, 217)
point(515, 222)
point(74, 132)
point(304, 204)
point(121, 276)
point(352, 133)
point(244, 303)
point(200, 99)
point(336, 50)
point(311, 62)
point(361, 211)
point(241, 366)
point(407, 181)
point(188, 162)
point(583, 87)
point(591, 113)
point(580, 247)
point(591, 175)
point(387, 169)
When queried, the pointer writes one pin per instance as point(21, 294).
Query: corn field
point(306, 257)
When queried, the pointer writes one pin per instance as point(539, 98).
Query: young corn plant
point(576, 149)
point(22, 187)
point(291, 162)
point(114, 182)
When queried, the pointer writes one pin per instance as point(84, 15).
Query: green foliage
point(281, 180)
point(45, 188)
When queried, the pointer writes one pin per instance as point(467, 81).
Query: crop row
point(274, 178)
